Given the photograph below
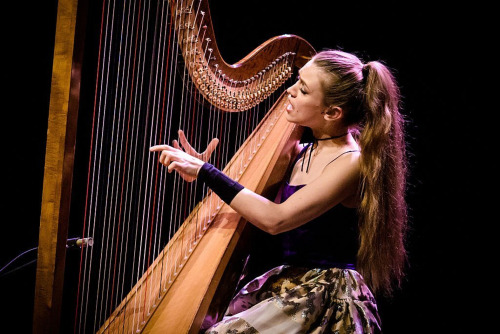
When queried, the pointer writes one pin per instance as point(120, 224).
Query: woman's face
point(306, 97)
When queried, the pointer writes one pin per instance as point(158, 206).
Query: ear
point(333, 113)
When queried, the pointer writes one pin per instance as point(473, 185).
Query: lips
point(289, 107)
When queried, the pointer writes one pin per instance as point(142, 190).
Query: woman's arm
point(338, 181)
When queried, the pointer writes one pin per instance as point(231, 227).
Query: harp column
point(58, 168)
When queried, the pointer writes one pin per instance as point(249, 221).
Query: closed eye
point(302, 84)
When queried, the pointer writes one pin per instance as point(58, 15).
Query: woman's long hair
point(370, 98)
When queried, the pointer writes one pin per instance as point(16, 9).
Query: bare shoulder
point(345, 165)
point(348, 158)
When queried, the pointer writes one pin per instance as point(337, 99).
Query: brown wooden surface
point(61, 132)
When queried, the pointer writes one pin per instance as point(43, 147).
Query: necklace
point(315, 142)
point(334, 137)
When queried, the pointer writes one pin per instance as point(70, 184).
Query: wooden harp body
point(179, 274)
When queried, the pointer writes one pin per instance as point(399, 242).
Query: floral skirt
point(297, 300)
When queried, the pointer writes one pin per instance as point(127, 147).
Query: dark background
point(435, 51)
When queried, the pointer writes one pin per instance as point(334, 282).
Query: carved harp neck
point(246, 83)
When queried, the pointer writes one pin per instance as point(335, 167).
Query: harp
point(154, 67)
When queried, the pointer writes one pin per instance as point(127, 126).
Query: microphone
point(79, 242)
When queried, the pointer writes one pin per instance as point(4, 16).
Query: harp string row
point(146, 223)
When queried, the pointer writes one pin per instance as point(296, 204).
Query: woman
point(340, 221)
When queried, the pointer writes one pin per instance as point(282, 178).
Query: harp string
point(196, 119)
point(83, 286)
point(97, 156)
point(122, 137)
point(158, 133)
point(155, 272)
point(130, 153)
point(173, 55)
point(165, 73)
point(132, 55)
point(113, 200)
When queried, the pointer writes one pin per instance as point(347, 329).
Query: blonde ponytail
point(382, 255)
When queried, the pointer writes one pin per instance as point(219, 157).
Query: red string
point(160, 139)
point(89, 167)
point(124, 162)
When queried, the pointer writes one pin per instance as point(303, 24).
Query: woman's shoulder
point(346, 162)
point(348, 155)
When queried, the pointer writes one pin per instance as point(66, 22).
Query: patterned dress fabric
point(298, 300)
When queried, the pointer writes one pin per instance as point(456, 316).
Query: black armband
point(225, 187)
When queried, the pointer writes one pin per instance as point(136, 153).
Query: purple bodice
point(330, 240)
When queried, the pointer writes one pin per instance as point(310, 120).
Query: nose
point(291, 91)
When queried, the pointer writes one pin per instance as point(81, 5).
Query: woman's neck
point(337, 137)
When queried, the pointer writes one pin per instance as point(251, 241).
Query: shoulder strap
point(341, 154)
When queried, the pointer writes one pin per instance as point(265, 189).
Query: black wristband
point(222, 185)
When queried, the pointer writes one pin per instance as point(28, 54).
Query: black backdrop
point(429, 46)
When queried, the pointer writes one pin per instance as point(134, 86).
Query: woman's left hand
point(185, 146)
point(184, 158)
point(174, 159)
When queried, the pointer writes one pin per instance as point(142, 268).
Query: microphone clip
point(79, 242)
